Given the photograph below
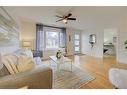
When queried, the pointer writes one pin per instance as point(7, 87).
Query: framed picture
point(9, 31)
point(92, 38)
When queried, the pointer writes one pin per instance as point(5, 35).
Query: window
point(52, 39)
point(76, 42)
point(49, 37)
point(76, 36)
point(76, 49)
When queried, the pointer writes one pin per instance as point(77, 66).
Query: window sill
point(52, 49)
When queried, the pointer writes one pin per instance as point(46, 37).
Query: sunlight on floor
point(77, 60)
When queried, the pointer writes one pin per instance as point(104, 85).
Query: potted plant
point(58, 54)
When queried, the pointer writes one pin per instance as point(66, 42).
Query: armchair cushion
point(118, 77)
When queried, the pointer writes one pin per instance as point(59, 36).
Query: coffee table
point(60, 61)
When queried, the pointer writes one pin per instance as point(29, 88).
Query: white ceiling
point(87, 17)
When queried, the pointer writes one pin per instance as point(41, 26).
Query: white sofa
point(118, 77)
point(38, 78)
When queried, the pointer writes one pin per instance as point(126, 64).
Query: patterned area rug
point(65, 79)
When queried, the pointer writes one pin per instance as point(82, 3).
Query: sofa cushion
point(1, 64)
point(25, 63)
point(10, 61)
point(37, 60)
point(20, 52)
point(3, 69)
point(29, 53)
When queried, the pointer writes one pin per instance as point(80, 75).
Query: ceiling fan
point(65, 18)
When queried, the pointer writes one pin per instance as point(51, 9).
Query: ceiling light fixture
point(65, 18)
point(65, 21)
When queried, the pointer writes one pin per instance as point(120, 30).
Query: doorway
point(110, 43)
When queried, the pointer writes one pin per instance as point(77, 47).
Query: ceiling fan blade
point(70, 9)
point(59, 16)
point(60, 19)
point(69, 15)
point(71, 18)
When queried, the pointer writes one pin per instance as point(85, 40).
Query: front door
point(77, 43)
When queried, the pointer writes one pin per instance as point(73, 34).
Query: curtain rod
point(52, 26)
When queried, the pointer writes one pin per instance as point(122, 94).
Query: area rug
point(65, 79)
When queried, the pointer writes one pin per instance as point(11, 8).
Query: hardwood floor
point(98, 68)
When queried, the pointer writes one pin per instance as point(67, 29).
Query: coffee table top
point(61, 60)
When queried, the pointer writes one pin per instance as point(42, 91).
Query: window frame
point(46, 39)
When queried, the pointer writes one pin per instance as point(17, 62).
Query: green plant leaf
point(125, 42)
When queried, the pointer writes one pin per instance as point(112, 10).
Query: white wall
point(70, 44)
point(28, 33)
point(97, 50)
point(109, 34)
point(122, 37)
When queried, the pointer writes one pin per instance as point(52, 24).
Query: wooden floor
point(98, 68)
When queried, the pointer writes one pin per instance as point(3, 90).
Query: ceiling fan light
point(64, 21)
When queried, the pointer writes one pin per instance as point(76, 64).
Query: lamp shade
point(26, 43)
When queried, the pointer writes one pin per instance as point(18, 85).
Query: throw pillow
point(8, 66)
point(20, 52)
point(3, 69)
point(1, 64)
point(29, 53)
point(37, 60)
point(13, 60)
point(25, 63)
point(10, 61)
point(23, 52)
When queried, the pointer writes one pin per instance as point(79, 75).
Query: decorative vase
point(58, 54)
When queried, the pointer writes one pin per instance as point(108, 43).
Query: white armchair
point(118, 77)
